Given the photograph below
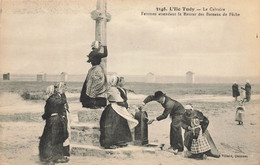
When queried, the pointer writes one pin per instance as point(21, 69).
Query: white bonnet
point(113, 80)
point(50, 90)
point(95, 44)
point(188, 106)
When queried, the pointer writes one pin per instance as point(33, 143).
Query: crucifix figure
point(101, 17)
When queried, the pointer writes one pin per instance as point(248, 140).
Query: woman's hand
point(151, 121)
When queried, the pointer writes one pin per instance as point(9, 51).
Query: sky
point(54, 36)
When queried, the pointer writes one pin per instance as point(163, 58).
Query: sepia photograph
point(130, 82)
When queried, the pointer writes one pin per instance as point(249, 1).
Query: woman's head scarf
point(95, 44)
point(188, 107)
point(59, 85)
point(50, 90)
point(113, 80)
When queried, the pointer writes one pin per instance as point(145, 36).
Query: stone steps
point(89, 115)
point(87, 138)
point(84, 126)
point(126, 152)
point(88, 134)
point(85, 133)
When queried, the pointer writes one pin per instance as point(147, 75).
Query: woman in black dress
point(115, 122)
point(54, 133)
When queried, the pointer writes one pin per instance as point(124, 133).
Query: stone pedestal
point(85, 134)
point(85, 138)
point(90, 116)
point(86, 131)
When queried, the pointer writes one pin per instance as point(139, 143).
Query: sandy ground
point(237, 144)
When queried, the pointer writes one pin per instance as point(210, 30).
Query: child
point(199, 144)
point(240, 113)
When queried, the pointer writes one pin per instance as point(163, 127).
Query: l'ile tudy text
point(188, 9)
point(191, 11)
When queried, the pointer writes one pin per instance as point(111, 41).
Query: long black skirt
point(93, 103)
point(114, 129)
point(188, 136)
point(88, 102)
point(51, 142)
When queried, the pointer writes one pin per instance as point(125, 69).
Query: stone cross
point(101, 17)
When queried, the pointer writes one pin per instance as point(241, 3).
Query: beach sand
point(237, 144)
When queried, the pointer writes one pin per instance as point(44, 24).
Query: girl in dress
point(200, 144)
point(240, 113)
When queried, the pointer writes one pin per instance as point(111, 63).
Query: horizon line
point(184, 75)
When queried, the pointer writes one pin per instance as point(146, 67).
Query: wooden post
point(101, 17)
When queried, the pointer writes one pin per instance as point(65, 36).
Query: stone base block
point(85, 138)
point(85, 126)
point(90, 115)
point(121, 153)
point(85, 133)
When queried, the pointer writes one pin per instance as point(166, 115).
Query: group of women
point(116, 121)
point(96, 91)
point(245, 94)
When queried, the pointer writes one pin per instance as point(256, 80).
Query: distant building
point(41, 77)
point(150, 78)
point(190, 78)
point(64, 76)
point(6, 76)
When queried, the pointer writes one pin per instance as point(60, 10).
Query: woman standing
point(248, 91)
point(115, 122)
point(62, 88)
point(235, 90)
point(54, 133)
